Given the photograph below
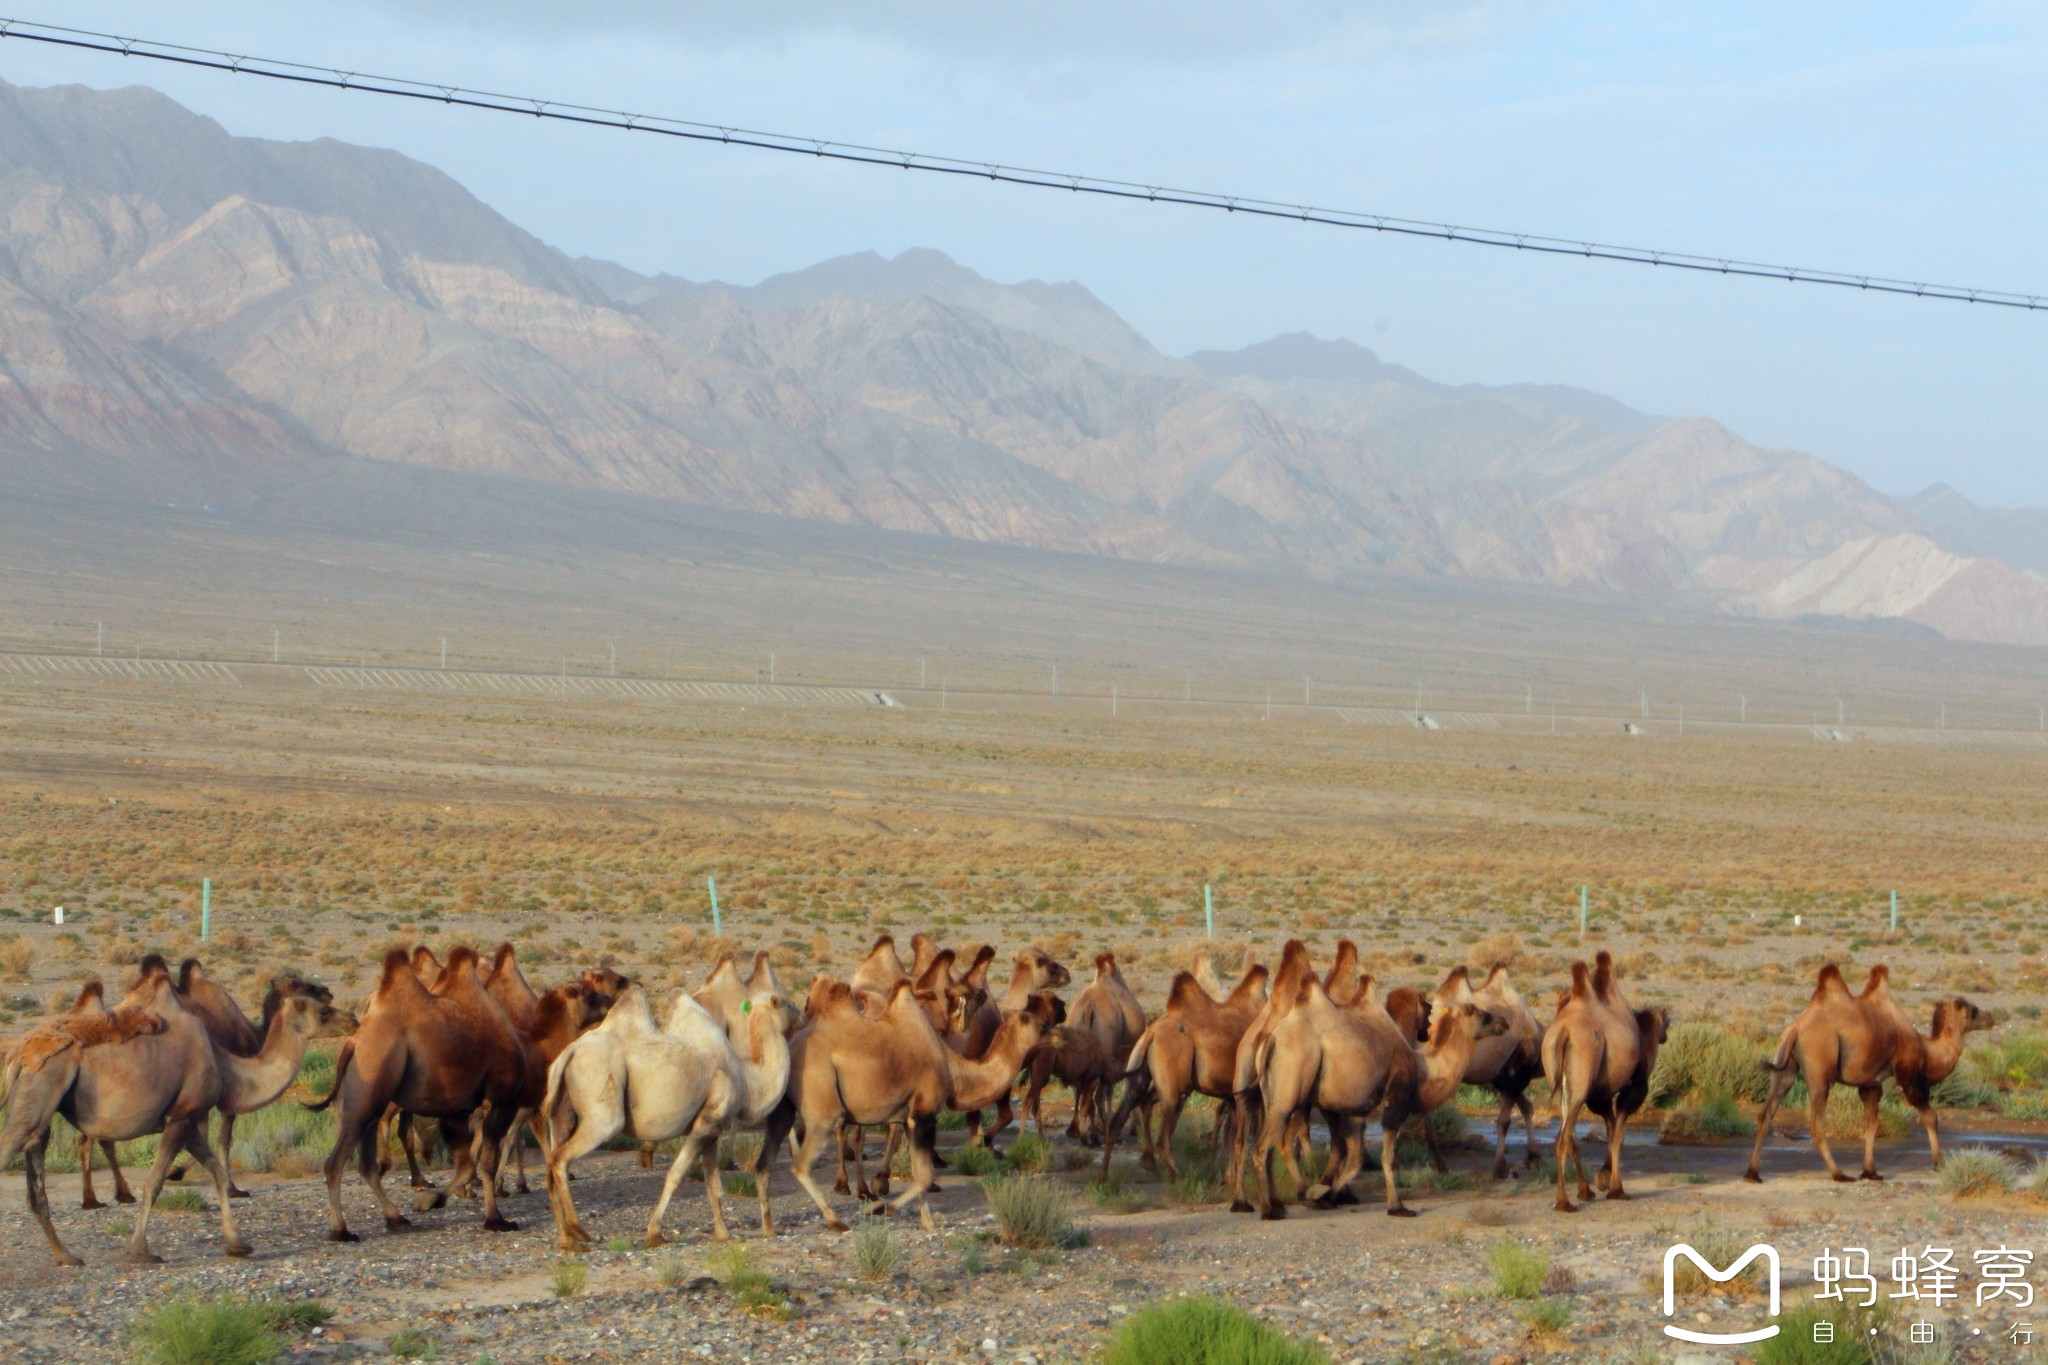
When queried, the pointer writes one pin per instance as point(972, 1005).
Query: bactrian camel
point(850, 1068)
point(450, 1054)
point(1598, 1054)
point(1190, 1049)
point(163, 1080)
point(681, 1078)
point(1347, 1063)
point(1506, 1063)
point(1858, 1040)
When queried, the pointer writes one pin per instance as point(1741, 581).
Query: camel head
point(1408, 1007)
point(1038, 967)
point(1955, 1017)
point(287, 987)
point(1047, 1008)
point(764, 997)
point(605, 982)
point(310, 1018)
point(1655, 1026)
point(1482, 1023)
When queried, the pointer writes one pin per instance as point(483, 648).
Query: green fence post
point(1895, 912)
point(1582, 912)
point(205, 907)
point(1208, 912)
point(717, 921)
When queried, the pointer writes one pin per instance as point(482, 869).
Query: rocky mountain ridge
point(189, 314)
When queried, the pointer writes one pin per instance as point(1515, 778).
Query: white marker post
point(1582, 912)
point(717, 921)
point(205, 907)
point(57, 915)
point(1208, 911)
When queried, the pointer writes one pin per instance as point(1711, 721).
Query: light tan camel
point(1858, 1040)
point(1347, 1063)
point(1246, 1106)
point(1598, 1054)
point(1190, 1049)
point(453, 1056)
point(163, 1081)
point(1507, 1063)
point(848, 1068)
point(682, 1078)
point(880, 970)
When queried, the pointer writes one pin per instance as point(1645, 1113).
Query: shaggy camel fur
point(1190, 1049)
point(848, 1068)
point(161, 1081)
point(1348, 1063)
point(230, 1031)
point(1858, 1040)
point(1598, 1054)
point(1507, 1063)
point(683, 1078)
point(447, 1055)
point(725, 995)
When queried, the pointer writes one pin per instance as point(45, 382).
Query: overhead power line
point(825, 148)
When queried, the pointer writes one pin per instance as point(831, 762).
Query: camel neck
point(1443, 1068)
point(978, 1083)
point(251, 1082)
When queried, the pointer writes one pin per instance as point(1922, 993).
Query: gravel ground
point(1369, 1288)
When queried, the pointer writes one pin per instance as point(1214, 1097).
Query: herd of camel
point(468, 1046)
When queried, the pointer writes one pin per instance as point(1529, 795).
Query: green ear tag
point(746, 1005)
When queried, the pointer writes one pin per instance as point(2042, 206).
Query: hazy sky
point(1898, 140)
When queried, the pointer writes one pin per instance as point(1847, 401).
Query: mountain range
point(187, 315)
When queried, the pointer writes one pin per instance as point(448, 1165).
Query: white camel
point(684, 1078)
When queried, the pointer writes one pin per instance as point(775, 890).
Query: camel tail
point(1787, 1053)
point(348, 1052)
point(554, 1106)
point(1141, 1052)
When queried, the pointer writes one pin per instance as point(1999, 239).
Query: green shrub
point(1720, 1248)
point(974, 1161)
point(1201, 1331)
point(212, 1330)
point(1031, 1212)
point(180, 1201)
point(1703, 1058)
point(1548, 1315)
point(750, 1287)
point(568, 1279)
point(1845, 1115)
point(1716, 1116)
point(1195, 1186)
point(1962, 1091)
point(1518, 1272)
point(1976, 1170)
point(2014, 1062)
point(1030, 1152)
point(412, 1344)
point(876, 1252)
point(2025, 1105)
point(1795, 1344)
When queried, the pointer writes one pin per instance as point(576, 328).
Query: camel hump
point(502, 957)
point(1879, 981)
point(398, 975)
point(762, 968)
point(1105, 965)
point(91, 996)
point(1603, 974)
point(1829, 984)
point(1454, 978)
point(941, 965)
point(1582, 985)
point(902, 995)
point(189, 974)
point(1186, 993)
point(151, 967)
point(882, 941)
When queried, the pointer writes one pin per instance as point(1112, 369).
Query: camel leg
point(202, 1153)
point(923, 1132)
point(1781, 1082)
point(1617, 1129)
point(854, 1135)
point(1004, 1113)
point(1528, 1108)
point(1436, 1150)
point(373, 1175)
point(1503, 1120)
point(591, 1131)
point(800, 1167)
point(489, 1155)
point(86, 1198)
point(1390, 1157)
point(1933, 1127)
point(763, 1164)
point(39, 1196)
point(1247, 1115)
point(1271, 1134)
point(647, 1156)
point(1347, 1158)
point(168, 1145)
point(227, 1156)
point(692, 1150)
point(1817, 1120)
point(1162, 1144)
point(1870, 1095)
point(1567, 1149)
point(886, 1171)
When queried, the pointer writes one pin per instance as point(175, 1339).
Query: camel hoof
point(1841, 1179)
point(1619, 1194)
point(1500, 1170)
point(1872, 1175)
point(841, 1187)
point(1239, 1206)
point(90, 1204)
point(835, 1225)
point(1402, 1211)
point(234, 1193)
point(655, 1239)
point(343, 1235)
point(500, 1225)
point(238, 1250)
point(144, 1258)
point(72, 1261)
point(1566, 1206)
point(1273, 1213)
point(878, 1209)
point(940, 1163)
point(1752, 1177)
point(123, 1197)
point(1344, 1196)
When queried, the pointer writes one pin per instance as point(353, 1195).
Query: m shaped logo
point(1770, 1258)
